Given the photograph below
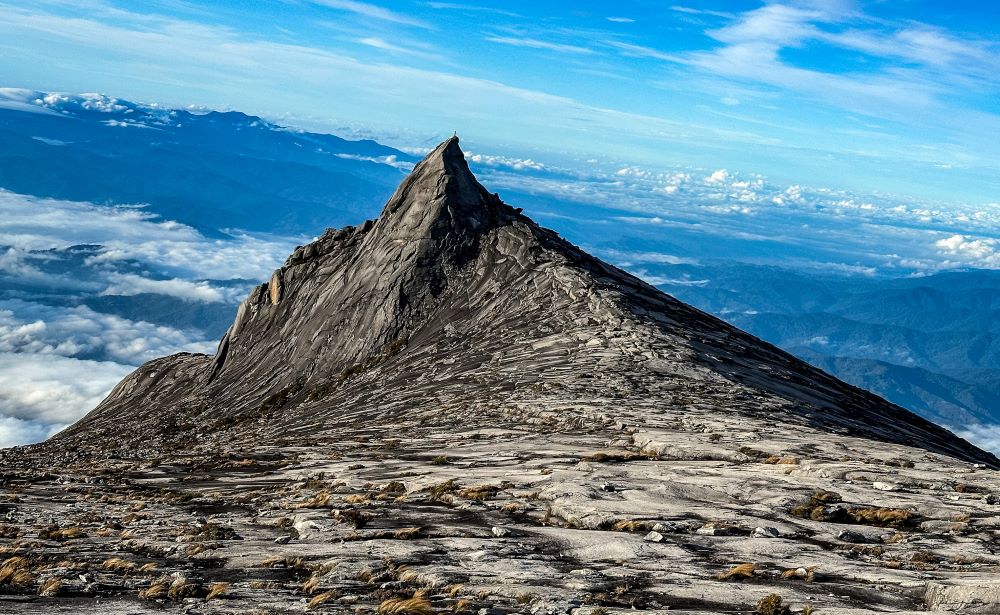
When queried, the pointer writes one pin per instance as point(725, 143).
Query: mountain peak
point(454, 306)
point(441, 196)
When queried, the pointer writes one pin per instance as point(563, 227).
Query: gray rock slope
point(453, 301)
point(452, 410)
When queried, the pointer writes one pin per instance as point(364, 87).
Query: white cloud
point(471, 8)
point(693, 11)
point(640, 51)
point(518, 164)
point(131, 284)
point(920, 43)
point(88, 102)
point(626, 258)
point(717, 177)
point(772, 23)
point(51, 389)
point(33, 328)
point(535, 43)
point(390, 160)
point(31, 223)
point(15, 432)
point(920, 65)
point(984, 436)
point(373, 12)
point(972, 251)
point(15, 262)
point(378, 43)
point(621, 19)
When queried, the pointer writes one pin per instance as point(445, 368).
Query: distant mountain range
point(931, 344)
point(209, 170)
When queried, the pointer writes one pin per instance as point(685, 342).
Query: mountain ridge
point(213, 170)
point(360, 302)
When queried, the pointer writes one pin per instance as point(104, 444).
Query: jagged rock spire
point(439, 197)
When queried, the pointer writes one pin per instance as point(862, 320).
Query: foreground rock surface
point(500, 515)
point(451, 409)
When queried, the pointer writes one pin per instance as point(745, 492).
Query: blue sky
point(897, 97)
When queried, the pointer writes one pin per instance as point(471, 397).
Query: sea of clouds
point(59, 358)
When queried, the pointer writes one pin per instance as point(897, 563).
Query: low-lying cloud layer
point(32, 223)
point(60, 353)
point(754, 220)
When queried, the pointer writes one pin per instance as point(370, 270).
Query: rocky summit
point(450, 409)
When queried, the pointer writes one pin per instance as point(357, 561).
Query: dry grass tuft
point(741, 571)
point(310, 586)
point(407, 533)
point(320, 599)
point(15, 571)
point(150, 567)
point(21, 578)
point(407, 575)
point(417, 605)
point(50, 587)
point(771, 605)
point(217, 590)
point(15, 563)
point(806, 574)
point(620, 457)
point(181, 589)
point(782, 461)
point(631, 525)
point(158, 589)
point(892, 517)
point(438, 491)
point(272, 561)
point(67, 533)
point(117, 563)
point(816, 509)
point(320, 500)
point(392, 489)
point(287, 561)
point(355, 517)
point(479, 493)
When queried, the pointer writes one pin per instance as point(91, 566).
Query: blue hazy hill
point(209, 170)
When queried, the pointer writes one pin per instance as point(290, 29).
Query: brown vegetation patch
point(417, 605)
point(620, 457)
point(741, 571)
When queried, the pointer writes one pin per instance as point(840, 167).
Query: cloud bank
point(60, 357)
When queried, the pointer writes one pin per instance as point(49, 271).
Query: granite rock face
point(451, 409)
point(452, 299)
